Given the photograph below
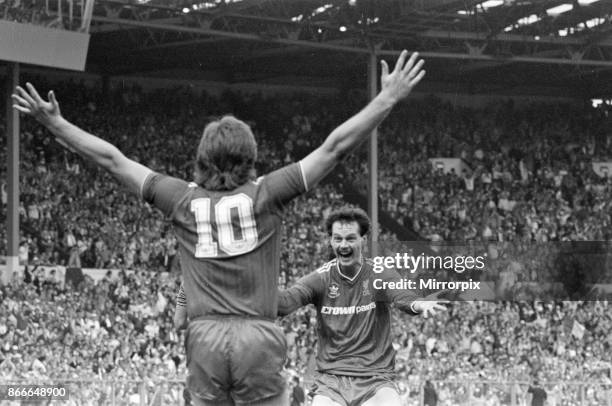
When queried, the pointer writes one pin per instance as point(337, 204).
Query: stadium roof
point(499, 46)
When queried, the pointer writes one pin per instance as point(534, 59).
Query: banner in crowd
point(44, 272)
point(98, 274)
point(450, 164)
point(73, 276)
point(603, 168)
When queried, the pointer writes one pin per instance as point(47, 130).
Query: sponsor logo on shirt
point(341, 310)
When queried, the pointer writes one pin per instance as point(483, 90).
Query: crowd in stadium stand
point(531, 176)
point(59, 15)
point(35, 12)
point(531, 182)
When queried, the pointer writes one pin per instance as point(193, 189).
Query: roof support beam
point(476, 36)
point(114, 27)
point(343, 48)
point(174, 44)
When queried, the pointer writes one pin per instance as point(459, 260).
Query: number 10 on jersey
point(230, 240)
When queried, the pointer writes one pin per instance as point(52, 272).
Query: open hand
point(405, 76)
point(428, 307)
point(30, 103)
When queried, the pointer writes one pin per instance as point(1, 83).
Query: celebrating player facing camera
point(235, 352)
point(355, 357)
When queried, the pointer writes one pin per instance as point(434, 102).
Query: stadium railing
point(450, 393)
point(509, 393)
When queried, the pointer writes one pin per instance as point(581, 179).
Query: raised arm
point(395, 86)
point(130, 173)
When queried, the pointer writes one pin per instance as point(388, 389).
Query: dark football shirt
point(229, 241)
point(353, 317)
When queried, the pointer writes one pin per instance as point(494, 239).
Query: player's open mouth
point(345, 255)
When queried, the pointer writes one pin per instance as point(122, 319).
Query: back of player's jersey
point(229, 241)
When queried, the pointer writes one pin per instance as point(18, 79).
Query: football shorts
point(235, 358)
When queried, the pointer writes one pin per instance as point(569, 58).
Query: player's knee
point(384, 397)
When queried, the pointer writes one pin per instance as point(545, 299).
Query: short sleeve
point(163, 191)
point(283, 185)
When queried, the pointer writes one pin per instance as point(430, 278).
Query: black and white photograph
point(306, 202)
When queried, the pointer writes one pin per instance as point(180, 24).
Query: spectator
point(297, 394)
point(538, 394)
point(430, 396)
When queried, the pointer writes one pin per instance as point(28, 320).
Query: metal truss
point(461, 30)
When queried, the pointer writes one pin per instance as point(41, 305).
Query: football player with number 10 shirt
point(227, 223)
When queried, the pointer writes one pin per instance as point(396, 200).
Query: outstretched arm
point(428, 307)
point(291, 299)
point(407, 300)
point(130, 173)
point(425, 306)
point(305, 291)
point(395, 86)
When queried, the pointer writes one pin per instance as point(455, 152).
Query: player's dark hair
point(226, 155)
point(348, 215)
